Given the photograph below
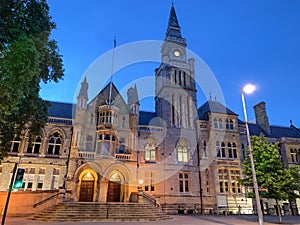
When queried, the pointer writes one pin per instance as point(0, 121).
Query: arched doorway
point(87, 188)
point(115, 192)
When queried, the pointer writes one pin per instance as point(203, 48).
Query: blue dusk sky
point(256, 41)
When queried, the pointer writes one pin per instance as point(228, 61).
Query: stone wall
point(23, 203)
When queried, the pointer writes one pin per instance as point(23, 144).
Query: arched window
point(182, 151)
point(234, 150)
point(218, 149)
point(54, 145)
point(35, 146)
point(88, 177)
point(229, 146)
point(223, 150)
point(150, 150)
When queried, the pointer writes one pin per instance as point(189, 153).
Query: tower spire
point(173, 29)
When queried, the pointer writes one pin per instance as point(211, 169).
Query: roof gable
point(118, 101)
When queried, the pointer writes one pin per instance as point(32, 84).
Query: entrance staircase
point(98, 212)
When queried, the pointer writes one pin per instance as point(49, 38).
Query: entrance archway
point(115, 191)
point(87, 188)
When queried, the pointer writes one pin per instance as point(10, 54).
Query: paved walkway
point(177, 220)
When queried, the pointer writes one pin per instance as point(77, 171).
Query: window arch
point(54, 144)
point(218, 149)
point(230, 154)
point(234, 150)
point(150, 150)
point(182, 150)
point(35, 146)
point(223, 150)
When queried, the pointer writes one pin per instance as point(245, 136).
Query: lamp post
point(248, 89)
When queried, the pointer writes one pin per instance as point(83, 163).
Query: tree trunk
point(279, 211)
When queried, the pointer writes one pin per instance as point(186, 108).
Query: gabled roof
point(213, 107)
point(116, 97)
point(61, 110)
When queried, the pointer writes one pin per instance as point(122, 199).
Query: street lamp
point(248, 89)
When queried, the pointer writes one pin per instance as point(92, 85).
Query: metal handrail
point(151, 199)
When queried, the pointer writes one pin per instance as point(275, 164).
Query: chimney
point(261, 117)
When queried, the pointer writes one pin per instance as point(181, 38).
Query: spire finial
point(172, 3)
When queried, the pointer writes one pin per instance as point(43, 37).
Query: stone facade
point(106, 149)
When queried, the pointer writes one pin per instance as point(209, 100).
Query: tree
point(274, 180)
point(27, 57)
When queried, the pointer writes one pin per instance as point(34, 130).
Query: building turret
point(82, 97)
point(134, 105)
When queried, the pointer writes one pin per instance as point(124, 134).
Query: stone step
point(77, 211)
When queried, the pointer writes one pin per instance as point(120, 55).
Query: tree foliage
point(277, 181)
point(27, 57)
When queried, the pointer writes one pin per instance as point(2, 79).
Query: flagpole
point(112, 71)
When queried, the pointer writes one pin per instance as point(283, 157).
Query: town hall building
point(180, 156)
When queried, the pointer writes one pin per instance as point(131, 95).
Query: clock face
point(176, 53)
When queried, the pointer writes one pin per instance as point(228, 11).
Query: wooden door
point(113, 192)
point(86, 191)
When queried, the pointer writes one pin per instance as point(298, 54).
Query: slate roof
point(215, 107)
point(276, 131)
point(148, 119)
point(61, 110)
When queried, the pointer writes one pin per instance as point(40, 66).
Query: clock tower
point(175, 79)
